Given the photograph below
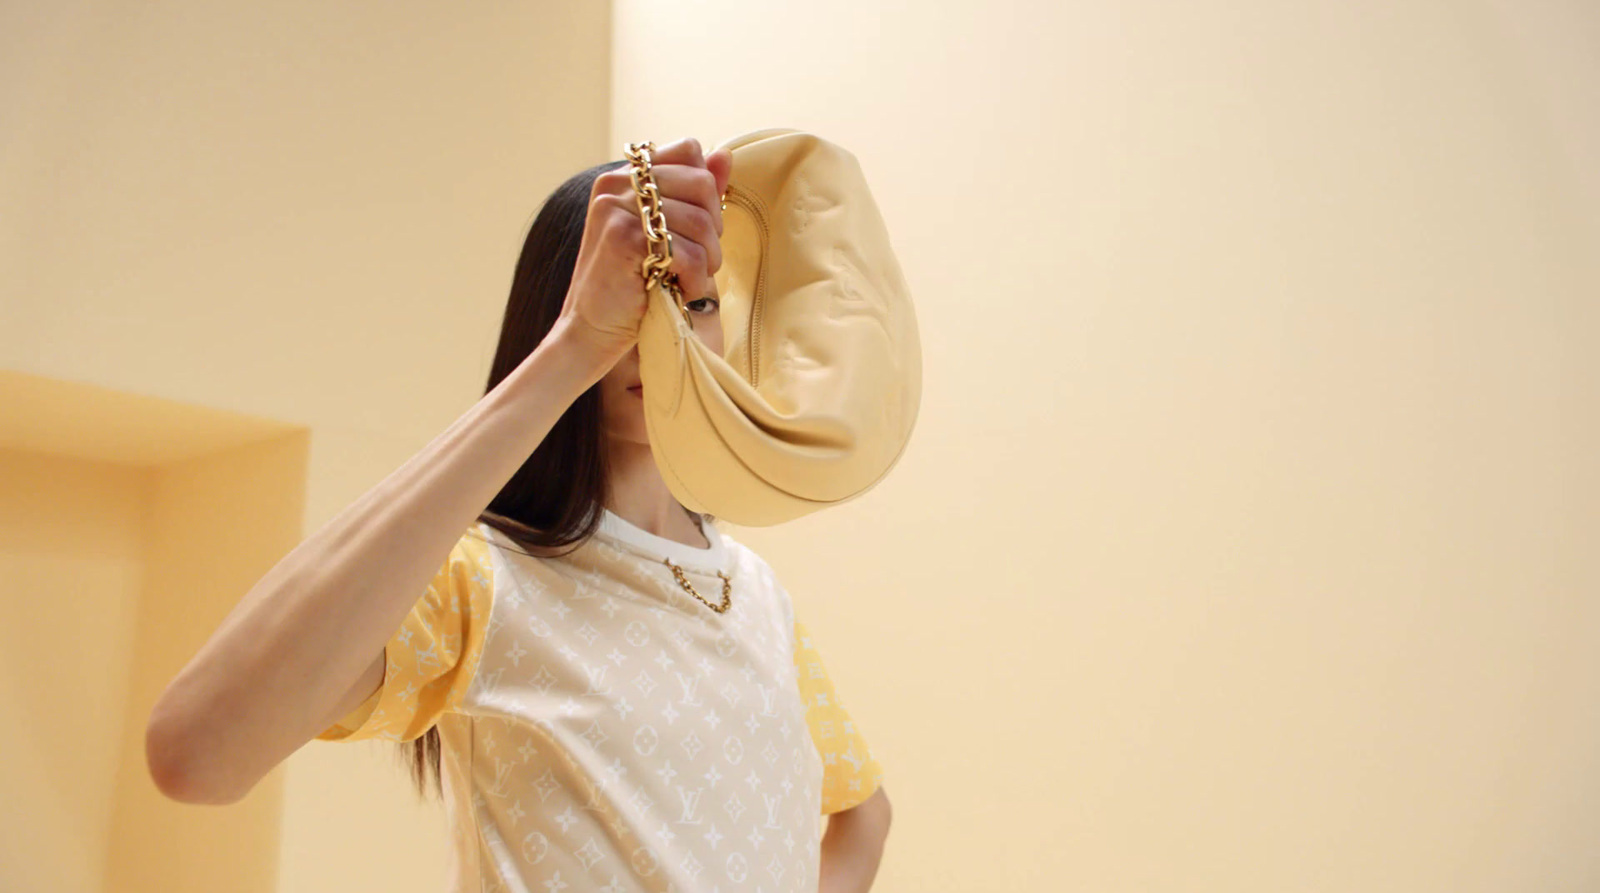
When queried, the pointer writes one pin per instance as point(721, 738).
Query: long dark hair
point(554, 500)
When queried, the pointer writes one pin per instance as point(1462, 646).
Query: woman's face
point(621, 400)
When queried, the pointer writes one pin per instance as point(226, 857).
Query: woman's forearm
point(282, 664)
point(853, 846)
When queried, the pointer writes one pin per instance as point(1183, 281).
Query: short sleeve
point(431, 659)
point(850, 774)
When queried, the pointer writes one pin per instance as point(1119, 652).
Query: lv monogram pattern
point(603, 730)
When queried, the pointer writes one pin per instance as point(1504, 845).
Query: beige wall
point(307, 213)
point(71, 615)
point(1243, 541)
point(131, 525)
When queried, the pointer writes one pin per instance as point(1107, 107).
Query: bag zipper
point(758, 301)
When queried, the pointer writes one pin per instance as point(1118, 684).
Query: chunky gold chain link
point(648, 196)
point(727, 587)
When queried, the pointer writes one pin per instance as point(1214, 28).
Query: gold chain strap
point(654, 268)
point(727, 587)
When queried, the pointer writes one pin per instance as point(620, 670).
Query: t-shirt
point(603, 729)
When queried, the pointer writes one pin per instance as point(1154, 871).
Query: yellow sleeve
point(431, 658)
point(850, 774)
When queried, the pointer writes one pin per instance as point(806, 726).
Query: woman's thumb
point(720, 164)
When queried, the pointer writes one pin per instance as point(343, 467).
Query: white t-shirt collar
point(614, 527)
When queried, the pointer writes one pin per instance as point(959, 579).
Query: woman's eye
point(715, 304)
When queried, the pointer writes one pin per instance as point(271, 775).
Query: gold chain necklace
point(727, 587)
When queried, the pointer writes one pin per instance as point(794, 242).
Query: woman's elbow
point(875, 811)
point(882, 797)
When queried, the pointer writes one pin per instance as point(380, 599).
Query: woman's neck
point(640, 497)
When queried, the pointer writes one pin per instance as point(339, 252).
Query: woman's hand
point(606, 301)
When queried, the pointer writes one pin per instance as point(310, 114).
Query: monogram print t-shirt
point(603, 729)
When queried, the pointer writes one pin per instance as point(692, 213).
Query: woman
point(613, 693)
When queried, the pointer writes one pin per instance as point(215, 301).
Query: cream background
point(1245, 539)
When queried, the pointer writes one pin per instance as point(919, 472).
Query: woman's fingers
point(696, 250)
point(685, 220)
point(691, 200)
point(685, 151)
point(694, 185)
point(680, 172)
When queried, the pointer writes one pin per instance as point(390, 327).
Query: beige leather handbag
point(818, 390)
